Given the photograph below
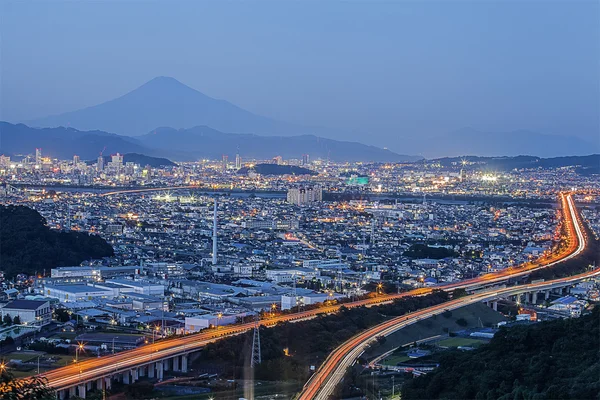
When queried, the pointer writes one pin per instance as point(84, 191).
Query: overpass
point(173, 354)
point(322, 384)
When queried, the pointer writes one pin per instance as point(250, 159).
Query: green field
point(475, 315)
point(395, 359)
point(460, 341)
point(23, 356)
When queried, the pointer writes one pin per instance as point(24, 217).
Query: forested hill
point(28, 246)
point(275, 169)
point(548, 360)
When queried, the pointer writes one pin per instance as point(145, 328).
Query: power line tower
point(256, 358)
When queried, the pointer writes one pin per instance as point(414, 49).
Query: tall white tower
point(214, 252)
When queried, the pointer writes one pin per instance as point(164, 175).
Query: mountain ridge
point(510, 143)
point(192, 144)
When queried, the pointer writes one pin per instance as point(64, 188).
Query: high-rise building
point(117, 159)
point(116, 163)
point(38, 156)
point(224, 162)
point(305, 159)
point(100, 163)
point(238, 161)
point(278, 160)
point(76, 159)
point(304, 194)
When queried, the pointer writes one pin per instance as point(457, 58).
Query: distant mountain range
point(473, 142)
point(589, 164)
point(184, 145)
point(206, 142)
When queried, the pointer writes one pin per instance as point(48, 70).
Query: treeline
point(28, 246)
point(420, 250)
point(548, 360)
point(590, 256)
point(289, 349)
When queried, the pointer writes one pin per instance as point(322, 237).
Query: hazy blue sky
point(387, 68)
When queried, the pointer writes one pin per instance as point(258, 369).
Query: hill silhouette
point(549, 360)
point(28, 246)
point(274, 169)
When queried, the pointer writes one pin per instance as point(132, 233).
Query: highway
point(91, 369)
point(322, 384)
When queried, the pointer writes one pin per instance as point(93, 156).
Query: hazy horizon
point(384, 72)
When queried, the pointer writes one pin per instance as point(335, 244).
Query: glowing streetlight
point(219, 316)
point(80, 347)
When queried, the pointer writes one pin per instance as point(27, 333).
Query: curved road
point(65, 377)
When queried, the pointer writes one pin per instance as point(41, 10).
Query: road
point(90, 369)
point(328, 376)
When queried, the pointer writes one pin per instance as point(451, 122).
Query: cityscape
point(166, 244)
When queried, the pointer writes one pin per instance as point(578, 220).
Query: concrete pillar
point(159, 370)
point(72, 391)
point(88, 385)
point(176, 364)
point(495, 305)
point(134, 374)
point(166, 364)
point(107, 383)
point(126, 377)
point(527, 298)
point(82, 391)
point(61, 394)
point(534, 297)
point(184, 363)
point(546, 294)
point(151, 371)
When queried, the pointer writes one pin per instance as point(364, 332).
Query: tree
point(62, 315)
point(140, 390)
point(462, 322)
point(17, 320)
point(24, 389)
point(7, 319)
point(29, 245)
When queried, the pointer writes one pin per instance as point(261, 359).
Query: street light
point(154, 332)
point(219, 316)
point(77, 350)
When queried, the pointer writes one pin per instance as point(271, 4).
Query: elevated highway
point(322, 384)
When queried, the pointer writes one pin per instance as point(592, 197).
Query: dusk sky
point(390, 69)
